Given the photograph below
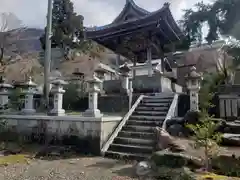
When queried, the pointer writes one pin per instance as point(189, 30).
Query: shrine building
point(139, 35)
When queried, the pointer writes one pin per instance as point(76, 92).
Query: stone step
point(134, 141)
point(146, 108)
point(152, 123)
point(135, 128)
point(155, 100)
point(142, 135)
point(126, 155)
point(150, 113)
point(131, 148)
point(232, 127)
point(154, 105)
point(140, 117)
point(160, 95)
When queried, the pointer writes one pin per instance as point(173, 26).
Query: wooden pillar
point(149, 60)
point(162, 59)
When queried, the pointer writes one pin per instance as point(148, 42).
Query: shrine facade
point(139, 35)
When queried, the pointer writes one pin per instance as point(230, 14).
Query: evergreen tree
point(68, 29)
point(221, 17)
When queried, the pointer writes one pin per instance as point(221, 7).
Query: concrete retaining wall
point(90, 132)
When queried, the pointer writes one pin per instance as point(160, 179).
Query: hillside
point(30, 58)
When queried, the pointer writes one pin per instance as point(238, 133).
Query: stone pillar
point(4, 94)
point(58, 91)
point(193, 80)
point(30, 90)
point(149, 60)
point(94, 89)
point(130, 93)
point(125, 73)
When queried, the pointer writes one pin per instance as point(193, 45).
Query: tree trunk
point(207, 168)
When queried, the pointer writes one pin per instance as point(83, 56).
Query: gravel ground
point(87, 168)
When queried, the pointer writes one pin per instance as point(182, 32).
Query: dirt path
point(87, 168)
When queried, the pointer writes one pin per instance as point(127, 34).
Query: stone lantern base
point(28, 111)
point(57, 112)
point(92, 113)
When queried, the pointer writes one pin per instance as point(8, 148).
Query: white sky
point(95, 12)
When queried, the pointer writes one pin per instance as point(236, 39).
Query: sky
point(95, 12)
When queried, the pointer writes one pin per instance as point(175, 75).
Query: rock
point(231, 139)
point(175, 160)
point(176, 130)
point(232, 127)
point(191, 117)
point(166, 141)
point(143, 168)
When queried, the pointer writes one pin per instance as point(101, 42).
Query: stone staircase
point(136, 139)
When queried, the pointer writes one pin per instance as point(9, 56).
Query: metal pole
point(47, 60)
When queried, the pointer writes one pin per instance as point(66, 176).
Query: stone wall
point(89, 133)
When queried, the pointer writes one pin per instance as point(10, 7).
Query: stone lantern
point(79, 80)
point(100, 73)
point(94, 89)
point(58, 91)
point(29, 91)
point(4, 93)
point(79, 75)
point(125, 73)
point(193, 81)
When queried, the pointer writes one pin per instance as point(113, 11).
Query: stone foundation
point(86, 133)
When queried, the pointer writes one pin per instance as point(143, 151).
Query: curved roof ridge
point(134, 6)
point(96, 28)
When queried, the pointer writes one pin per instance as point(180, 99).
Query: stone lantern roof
point(125, 68)
point(58, 82)
point(29, 83)
point(77, 72)
point(3, 84)
point(94, 79)
point(193, 74)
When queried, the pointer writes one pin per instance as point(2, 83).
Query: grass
point(212, 176)
point(13, 159)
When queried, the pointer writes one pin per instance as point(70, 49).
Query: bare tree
point(10, 28)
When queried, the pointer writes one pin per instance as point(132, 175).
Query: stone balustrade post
point(125, 73)
point(58, 91)
point(193, 80)
point(4, 94)
point(94, 89)
point(29, 91)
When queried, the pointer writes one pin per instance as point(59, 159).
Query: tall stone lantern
point(4, 93)
point(29, 91)
point(58, 91)
point(94, 85)
point(193, 81)
point(125, 73)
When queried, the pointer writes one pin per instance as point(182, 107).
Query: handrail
point(120, 125)
point(171, 112)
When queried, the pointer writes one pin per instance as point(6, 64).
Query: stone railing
point(172, 112)
point(120, 125)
